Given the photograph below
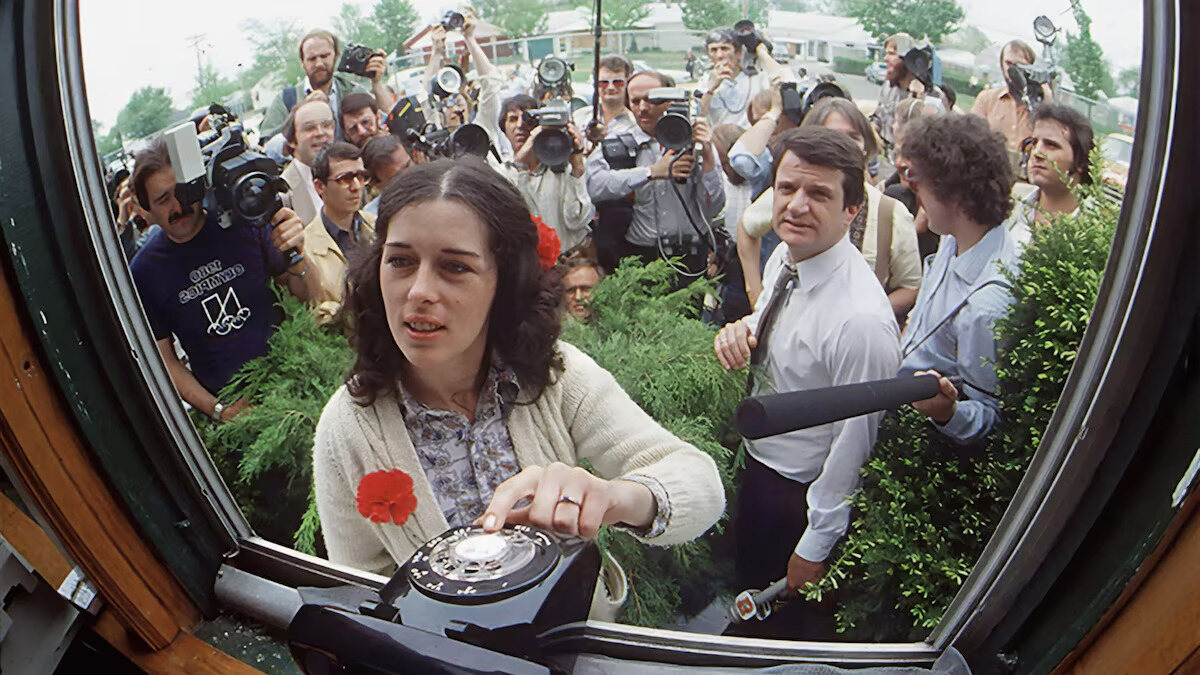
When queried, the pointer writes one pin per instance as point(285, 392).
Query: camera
point(554, 74)
point(354, 60)
point(1027, 81)
point(800, 97)
point(919, 62)
point(747, 36)
point(554, 146)
point(674, 128)
point(468, 139)
point(217, 168)
point(452, 20)
point(466, 601)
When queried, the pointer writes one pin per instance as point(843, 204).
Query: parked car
point(1117, 150)
point(876, 72)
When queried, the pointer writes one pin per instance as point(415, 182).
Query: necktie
point(783, 287)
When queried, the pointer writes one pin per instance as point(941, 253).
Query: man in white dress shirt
point(831, 325)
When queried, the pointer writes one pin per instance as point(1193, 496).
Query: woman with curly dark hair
point(959, 170)
point(462, 402)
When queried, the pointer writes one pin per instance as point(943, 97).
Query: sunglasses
point(618, 83)
point(346, 176)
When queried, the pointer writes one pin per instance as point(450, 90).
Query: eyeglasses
point(617, 83)
point(346, 176)
point(908, 174)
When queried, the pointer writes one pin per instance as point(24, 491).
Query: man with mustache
point(319, 53)
point(207, 285)
point(823, 321)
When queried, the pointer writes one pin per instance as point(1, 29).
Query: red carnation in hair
point(549, 245)
point(386, 496)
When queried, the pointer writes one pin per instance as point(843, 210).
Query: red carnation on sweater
point(386, 496)
point(549, 245)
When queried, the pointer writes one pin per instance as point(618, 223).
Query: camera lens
point(673, 131)
point(553, 147)
point(469, 139)
point(253, 198)
point(452, 20)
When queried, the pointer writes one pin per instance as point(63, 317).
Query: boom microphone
point(773, 414)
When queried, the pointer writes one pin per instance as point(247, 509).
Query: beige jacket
point(324, 252)
point(583, 414)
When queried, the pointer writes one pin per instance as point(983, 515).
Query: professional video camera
point(217, 169)
point(354, 59)
point(799, 97)
point(674, 128)
point(452, 20)
point(746, 35)
point(554, 145)
point(466, 601)
point(468, 139)
point(555, 75)
point(1027, 82)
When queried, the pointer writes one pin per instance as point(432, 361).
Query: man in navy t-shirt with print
point(207, 285)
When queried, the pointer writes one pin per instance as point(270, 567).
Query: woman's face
point(438, 278)
point(838, 122)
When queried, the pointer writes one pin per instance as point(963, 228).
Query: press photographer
point(549, 166)
point(1006, 108)
point(677, 191)
point(615, 116)
point(203, 278)
point(742, 65)
point(909, 74)
point(323, 72)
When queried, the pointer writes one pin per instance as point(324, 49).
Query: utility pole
point(194, 42)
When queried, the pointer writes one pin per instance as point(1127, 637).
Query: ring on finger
point(564, 499)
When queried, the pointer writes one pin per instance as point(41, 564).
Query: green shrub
point(924, 512)
point(663, 358)
point(265, 453)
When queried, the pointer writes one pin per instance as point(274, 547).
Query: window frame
point(110, 332)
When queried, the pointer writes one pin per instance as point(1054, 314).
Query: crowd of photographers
point(845, 247)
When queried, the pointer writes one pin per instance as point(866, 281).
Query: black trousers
point(772, 514)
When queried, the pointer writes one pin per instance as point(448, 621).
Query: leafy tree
point(107, 143)
point(1085, 58)
point(353, 26)
point(968, 39)
point(795, 5)
point(1129, 81)
point(621, 13)
point(518, 18)
point(276, 50)
point(148, 110)
point(211, 87)
point(396, 21)
point(931, 19)
point(709, 14)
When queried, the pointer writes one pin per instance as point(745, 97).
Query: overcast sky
point(133, 43)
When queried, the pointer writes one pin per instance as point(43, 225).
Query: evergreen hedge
point(925, 512)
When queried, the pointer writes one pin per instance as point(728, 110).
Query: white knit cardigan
point(582, 414)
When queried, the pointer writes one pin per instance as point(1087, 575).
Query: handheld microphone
point(773, 414)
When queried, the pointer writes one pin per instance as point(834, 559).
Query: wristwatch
point(218, 408)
